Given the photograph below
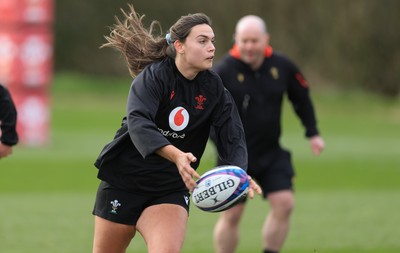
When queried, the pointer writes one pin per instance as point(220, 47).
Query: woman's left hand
point(254, 187)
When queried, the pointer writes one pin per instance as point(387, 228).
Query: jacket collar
point(234, 51)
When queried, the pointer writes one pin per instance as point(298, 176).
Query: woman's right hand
point(182, 161)
point(186, 171)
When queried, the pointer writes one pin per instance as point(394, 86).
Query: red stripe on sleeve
point(301, 80)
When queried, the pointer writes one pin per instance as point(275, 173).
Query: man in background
point(8, 122)
point(258, 78)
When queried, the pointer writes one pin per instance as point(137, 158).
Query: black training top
point(259, 95)
point(165, 108)
point(8, 118)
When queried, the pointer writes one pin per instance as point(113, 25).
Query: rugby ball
point(220, 188)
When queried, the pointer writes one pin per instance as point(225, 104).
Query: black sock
point(270, 251)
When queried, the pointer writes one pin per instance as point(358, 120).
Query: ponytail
point(136, 43)
point(140, 47)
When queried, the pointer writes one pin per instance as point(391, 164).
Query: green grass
point(347, 200)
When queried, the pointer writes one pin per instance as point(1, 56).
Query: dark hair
point(138, 44)
point(181, 29)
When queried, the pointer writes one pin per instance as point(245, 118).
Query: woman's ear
point(178, 47)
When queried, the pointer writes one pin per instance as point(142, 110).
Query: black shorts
point(277, 174)
point(124, 207)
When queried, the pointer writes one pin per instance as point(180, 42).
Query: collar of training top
point(234, 52)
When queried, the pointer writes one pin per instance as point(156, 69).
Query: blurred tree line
point(345, 43)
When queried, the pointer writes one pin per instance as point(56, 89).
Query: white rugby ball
point(220, 188)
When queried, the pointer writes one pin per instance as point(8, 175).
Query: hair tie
point(168, 38)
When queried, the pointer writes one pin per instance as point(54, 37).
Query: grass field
point(347, 200)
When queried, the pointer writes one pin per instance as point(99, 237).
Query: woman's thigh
point(111, 236)
point(163, 227)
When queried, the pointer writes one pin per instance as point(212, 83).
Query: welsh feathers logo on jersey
point(178, 118)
